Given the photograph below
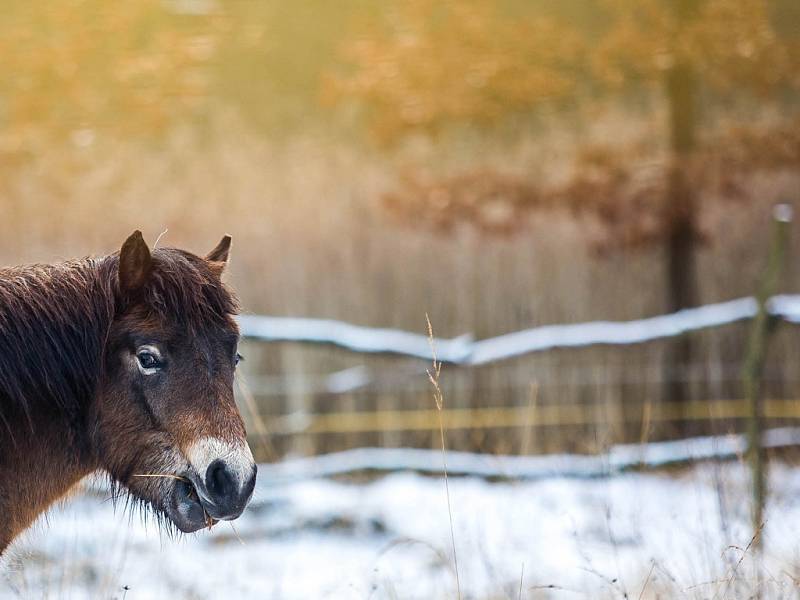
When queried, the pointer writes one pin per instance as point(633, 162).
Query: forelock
point(183, 288)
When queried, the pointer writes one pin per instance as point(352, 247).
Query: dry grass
point(438, 397)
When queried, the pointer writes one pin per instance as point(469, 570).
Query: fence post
point(760, 330)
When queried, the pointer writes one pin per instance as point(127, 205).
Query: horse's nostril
point(220, 483)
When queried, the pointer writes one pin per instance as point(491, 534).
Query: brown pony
point(123, 364)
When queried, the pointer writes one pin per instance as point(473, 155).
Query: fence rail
point(504, 417)
point(464, 350)
point(618, 459)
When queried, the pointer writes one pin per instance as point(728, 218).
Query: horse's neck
point(52, 327)
point(36, 470)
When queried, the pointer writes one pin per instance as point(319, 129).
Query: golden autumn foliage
point(730, 44)
point(77, 66)
point(427, 65)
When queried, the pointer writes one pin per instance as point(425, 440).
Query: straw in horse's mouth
point(167, 475)
point(210, 521)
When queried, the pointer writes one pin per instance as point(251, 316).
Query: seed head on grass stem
point(438, 397)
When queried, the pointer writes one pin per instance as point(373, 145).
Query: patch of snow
point(390, 538)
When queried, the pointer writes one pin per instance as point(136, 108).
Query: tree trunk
point(680, 214)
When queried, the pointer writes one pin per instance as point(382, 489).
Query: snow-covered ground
point(681, 534)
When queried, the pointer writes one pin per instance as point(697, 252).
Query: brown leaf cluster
point(623, 190)
point(494, 202)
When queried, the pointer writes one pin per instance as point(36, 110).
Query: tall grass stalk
point(438, 397)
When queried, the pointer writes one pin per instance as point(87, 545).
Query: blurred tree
point(76, 67)
point(431, 65)
point(726, 45)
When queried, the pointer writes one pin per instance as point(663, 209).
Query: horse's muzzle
point(220, 494)
point(222, 475)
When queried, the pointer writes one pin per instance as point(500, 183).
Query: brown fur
point(70, 403)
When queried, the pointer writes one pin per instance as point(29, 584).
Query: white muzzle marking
point(237, 457)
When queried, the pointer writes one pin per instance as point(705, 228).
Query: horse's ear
point(219, 255)
point(135, 263)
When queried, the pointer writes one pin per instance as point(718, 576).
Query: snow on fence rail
point(617, 459)
point(464, 350)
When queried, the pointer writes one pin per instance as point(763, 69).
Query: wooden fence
point(602, 391)
point(573, 387)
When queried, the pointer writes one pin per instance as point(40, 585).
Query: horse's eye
point(148, 361)
point(239, 358)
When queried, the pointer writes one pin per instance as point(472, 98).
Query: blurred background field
point(496, 165)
